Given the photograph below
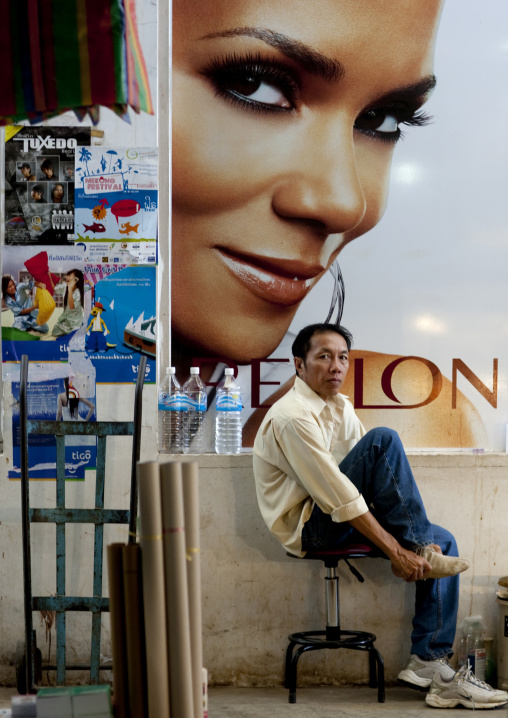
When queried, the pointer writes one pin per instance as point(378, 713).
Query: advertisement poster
point(39, 183)
point(68, 398)
point(122, 323)
point(39, 285)
point(112, 320)
point(283, 168)
point(116, 199)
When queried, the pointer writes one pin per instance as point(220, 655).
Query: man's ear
point(298, 364)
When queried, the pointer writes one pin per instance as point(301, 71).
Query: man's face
point(37, 196)
point(326, 365)
point(26, 171)
point(48, 171)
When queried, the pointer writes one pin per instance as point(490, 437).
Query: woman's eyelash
point(403, 115)
point(231, 74)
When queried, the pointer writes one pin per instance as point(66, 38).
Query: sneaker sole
point(411, 680)
point(435, 701)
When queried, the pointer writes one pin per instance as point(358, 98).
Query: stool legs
point(316, 640)
point(333, 637)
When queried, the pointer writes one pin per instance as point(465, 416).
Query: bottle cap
point(194, 370)
point(228, 371)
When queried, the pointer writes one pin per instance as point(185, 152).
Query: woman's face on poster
point(285, 119)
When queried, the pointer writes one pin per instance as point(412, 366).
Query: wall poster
point(39, 183)
point(287, 150)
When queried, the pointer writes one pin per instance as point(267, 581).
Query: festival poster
point(64, 392)
point(116, 200)
point(423, 290)
point(39, 183)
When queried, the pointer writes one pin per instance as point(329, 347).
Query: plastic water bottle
point(228, 421)
point(194, 410)
point(472, 647)
point(170, 414)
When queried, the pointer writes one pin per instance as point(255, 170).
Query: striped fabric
point(58, 55)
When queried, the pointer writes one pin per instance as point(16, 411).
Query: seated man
point(321, 480)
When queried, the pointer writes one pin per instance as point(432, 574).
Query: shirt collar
point(318, 404)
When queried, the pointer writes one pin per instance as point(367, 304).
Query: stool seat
point(334, 637)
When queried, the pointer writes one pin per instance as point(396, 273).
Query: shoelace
point(470, 677)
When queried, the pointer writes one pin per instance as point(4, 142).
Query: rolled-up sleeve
point(316, 470)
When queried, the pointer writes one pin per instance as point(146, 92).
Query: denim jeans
point(378, 467)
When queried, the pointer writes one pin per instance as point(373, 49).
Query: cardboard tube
point(190, 480)
point(177, 601)
point(117, 620)
point(154, 598)
point(135, 630)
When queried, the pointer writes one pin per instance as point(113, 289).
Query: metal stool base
point(316, 640)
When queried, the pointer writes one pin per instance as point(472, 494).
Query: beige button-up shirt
point(296, 452)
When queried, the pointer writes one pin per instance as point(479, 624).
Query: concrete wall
point(253, 594)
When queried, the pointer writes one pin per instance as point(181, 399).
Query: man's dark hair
point(38, 188)
point(301, 344)
point(47, 164)
point(25, 165)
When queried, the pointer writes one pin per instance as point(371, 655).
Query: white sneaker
point(464, 689)
point(419, 673)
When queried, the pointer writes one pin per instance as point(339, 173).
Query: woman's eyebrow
point(311, 60)
point(416, 91)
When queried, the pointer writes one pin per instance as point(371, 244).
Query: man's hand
point(409, 566)
point(406, 564)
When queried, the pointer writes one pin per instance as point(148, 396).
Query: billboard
point(294, 132)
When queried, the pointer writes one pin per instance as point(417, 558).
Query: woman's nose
point(322, 182)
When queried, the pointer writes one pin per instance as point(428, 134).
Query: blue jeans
point(378, 467)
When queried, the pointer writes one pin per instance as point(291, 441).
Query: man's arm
point(405, 564)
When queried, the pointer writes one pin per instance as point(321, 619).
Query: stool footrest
point(348, 639)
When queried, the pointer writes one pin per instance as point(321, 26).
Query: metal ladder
point(29, 665)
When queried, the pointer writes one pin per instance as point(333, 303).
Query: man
point(26, 171)
point(47, 169)
point(37, 193)
point(321, 479)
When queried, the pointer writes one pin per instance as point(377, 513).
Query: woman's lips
point(282, 281)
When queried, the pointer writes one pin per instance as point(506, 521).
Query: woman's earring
point(338, 294)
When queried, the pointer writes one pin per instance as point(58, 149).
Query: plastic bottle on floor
point(472, 647)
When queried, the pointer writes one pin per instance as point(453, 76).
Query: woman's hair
point(6, 279)
point(80, 285)
point(58, 184)
point(301, 344)
point(73, 401)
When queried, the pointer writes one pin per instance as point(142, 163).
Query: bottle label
point(170, 402)
point(229, 402)
point(477, 661)
point(195, 403)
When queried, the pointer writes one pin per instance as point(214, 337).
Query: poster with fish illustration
point(39, 183)
point(116, 198)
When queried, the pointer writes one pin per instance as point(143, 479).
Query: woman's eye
point(253, 83)
point(385, 123)
point(378, 121)
point(258, 90)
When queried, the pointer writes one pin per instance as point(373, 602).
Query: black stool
point(334, 636)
